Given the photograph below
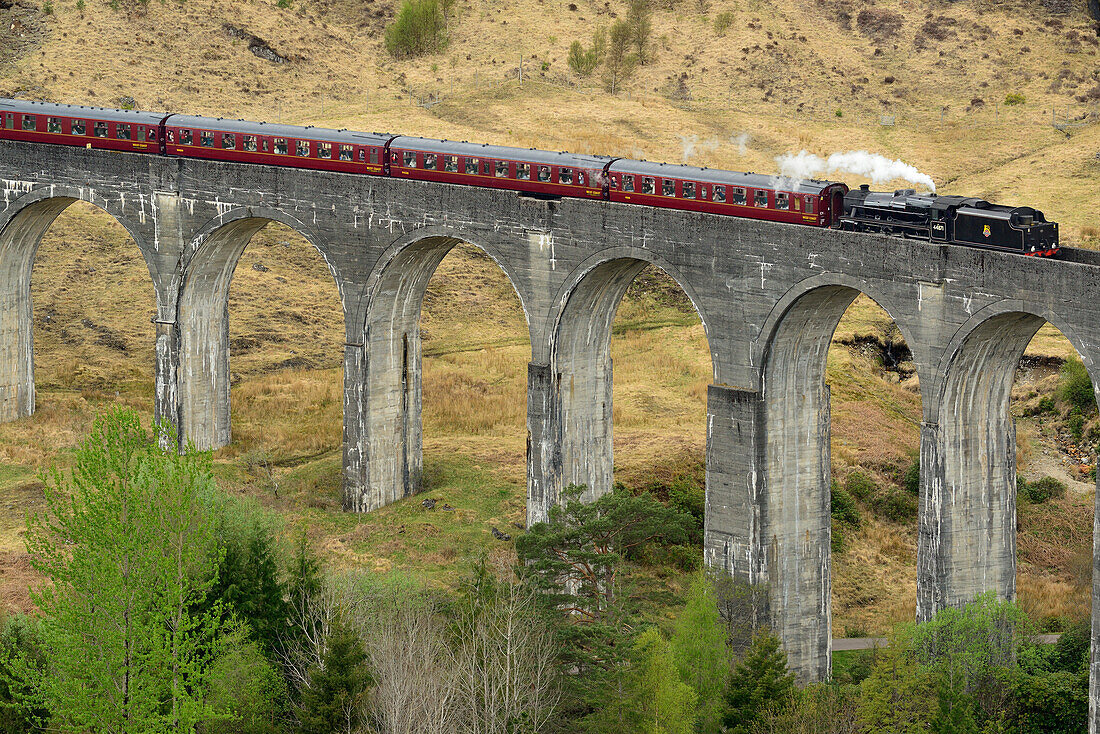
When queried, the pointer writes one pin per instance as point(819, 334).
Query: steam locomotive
point(957, 220)
point(942, 219)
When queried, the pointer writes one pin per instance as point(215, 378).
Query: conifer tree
point(759, 680)
point(332, 702)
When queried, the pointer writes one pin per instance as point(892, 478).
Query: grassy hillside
point(784, 76)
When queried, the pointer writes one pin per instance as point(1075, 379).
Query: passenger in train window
point(206, 139)
point(53, 124)
point(410, 159)
point(649, 185)
point(737, 195)
point(720, 194)
point(430, 161)
point(302, 148)
point(544, 174)
point(280, 146)
point(79, 128)
point(29, 122)
point(565, 175)
point(345, 152)
point(688, 188)
point(229, 141)
point(186, 137)
point(362, 155)
point(122, 131)
point(151, 135)
point(249, 143)
point(628, 183)
point(450, 163)
point(523, 171)
point(471, 166)
point(324, 150)
point(502, 169)
point(668, 187)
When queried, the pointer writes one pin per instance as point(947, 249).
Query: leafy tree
point(699, 648)
point(661, 703)
point(419, 28)
point(247, 686)
point(641, 28)
point(126, 546)
point(333, 699)
point(23, 669)
point(619, 63)
point(759, 681)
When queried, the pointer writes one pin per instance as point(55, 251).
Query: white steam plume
point(741, 140)
point(692, 145)
point(859, 163)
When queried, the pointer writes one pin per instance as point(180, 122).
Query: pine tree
point(332, 701)
point(758, 681)
point(699, 647)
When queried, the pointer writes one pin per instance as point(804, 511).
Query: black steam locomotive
point(953, 220)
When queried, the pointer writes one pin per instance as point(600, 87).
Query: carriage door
point(836, 207)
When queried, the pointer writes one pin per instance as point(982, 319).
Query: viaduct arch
point(769, 296)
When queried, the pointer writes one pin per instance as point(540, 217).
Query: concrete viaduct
point(769, 295)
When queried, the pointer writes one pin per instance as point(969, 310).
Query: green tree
point(759, 681)
point(1075, 386)
point(245, 684)
point(641, 28)
point(574, 560)
point(332, 700)
point(699, 648)
point(619, 64)
point(660, 700)
point(419, 28)
point(22, 674)
point(126, 547)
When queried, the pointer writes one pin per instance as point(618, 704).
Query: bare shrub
point(879, 23)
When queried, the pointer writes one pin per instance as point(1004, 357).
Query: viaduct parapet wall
point(769, 295)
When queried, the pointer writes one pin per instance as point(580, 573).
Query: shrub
point(897, 506)
point(722, 23)
point(1076, 387)
point(843, 507)
point(1014, 98)
point(860, 486)
point(1076, 426)
point(419, 28)
point(911, 479)
point(1041, 490)
point(583, 61)
point(1046, 405)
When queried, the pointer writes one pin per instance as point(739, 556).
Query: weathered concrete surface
point(769, 297)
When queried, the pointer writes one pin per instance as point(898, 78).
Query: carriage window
point(782, 201)
point(809, 205)
point(431, 161)
point(324, 150)
point(450, 163)
point(151, 134)
point(29, 122)
point(797, 203)
point(649, 186)
point(410, 159)
point(139, 134)
point(186, 137)
point(362, 155)
point(565, 175)
point(122, 131)
point(523, 171)
point(345, 152)
point(760, 198)
point(79, 127)
point(206, 139)
point(53, 124)
point(580, 178)
point(302, 148)
point(280, 146)
point(688, 189)
point(544, 173)
point(487, 168)
point(249, 143)
point(502, 169)
point(9, 120)
point(100, 129)
point(229, 141)
point(471, 166)
point(737, 195)
point(668, 187)
point(265, 144)
point(720, 194)
point(628, 183)
point(374, 155)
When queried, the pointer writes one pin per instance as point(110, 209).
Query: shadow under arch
point(967, 543)
point(203, 318)
point(797, 459)
point(22, 228)
point(581, 372)
point(385, 441)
